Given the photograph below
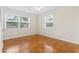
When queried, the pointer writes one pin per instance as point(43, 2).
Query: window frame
point(24, 21)
point(45, 18)
point(18, 21)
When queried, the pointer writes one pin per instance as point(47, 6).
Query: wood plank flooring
point(38, 44)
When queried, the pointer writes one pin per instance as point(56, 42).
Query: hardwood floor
point(38, 44)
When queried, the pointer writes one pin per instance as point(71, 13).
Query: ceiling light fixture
point(38, 8)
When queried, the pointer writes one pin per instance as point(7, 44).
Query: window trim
point(18, 21)
point(45, 18)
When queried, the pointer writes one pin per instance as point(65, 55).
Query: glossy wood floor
point(38, 44)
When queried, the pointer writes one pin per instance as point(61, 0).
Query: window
point(12, 21)
point(48, 21)
point(24, 22)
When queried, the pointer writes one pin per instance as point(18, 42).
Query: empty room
point(40, 29)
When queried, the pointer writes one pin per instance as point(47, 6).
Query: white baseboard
point(61, 39)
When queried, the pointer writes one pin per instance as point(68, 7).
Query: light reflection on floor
point(13, 49)
point(26, 48)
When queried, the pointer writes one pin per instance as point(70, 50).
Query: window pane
point(12, 18)
point(12, 24)
point(48, 18)
point(24, 25)
point(24, 18)
point(49, 24)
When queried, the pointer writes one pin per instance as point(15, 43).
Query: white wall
point(13, 33)
point(66, 24)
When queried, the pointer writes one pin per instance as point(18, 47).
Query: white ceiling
point(30, 9)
